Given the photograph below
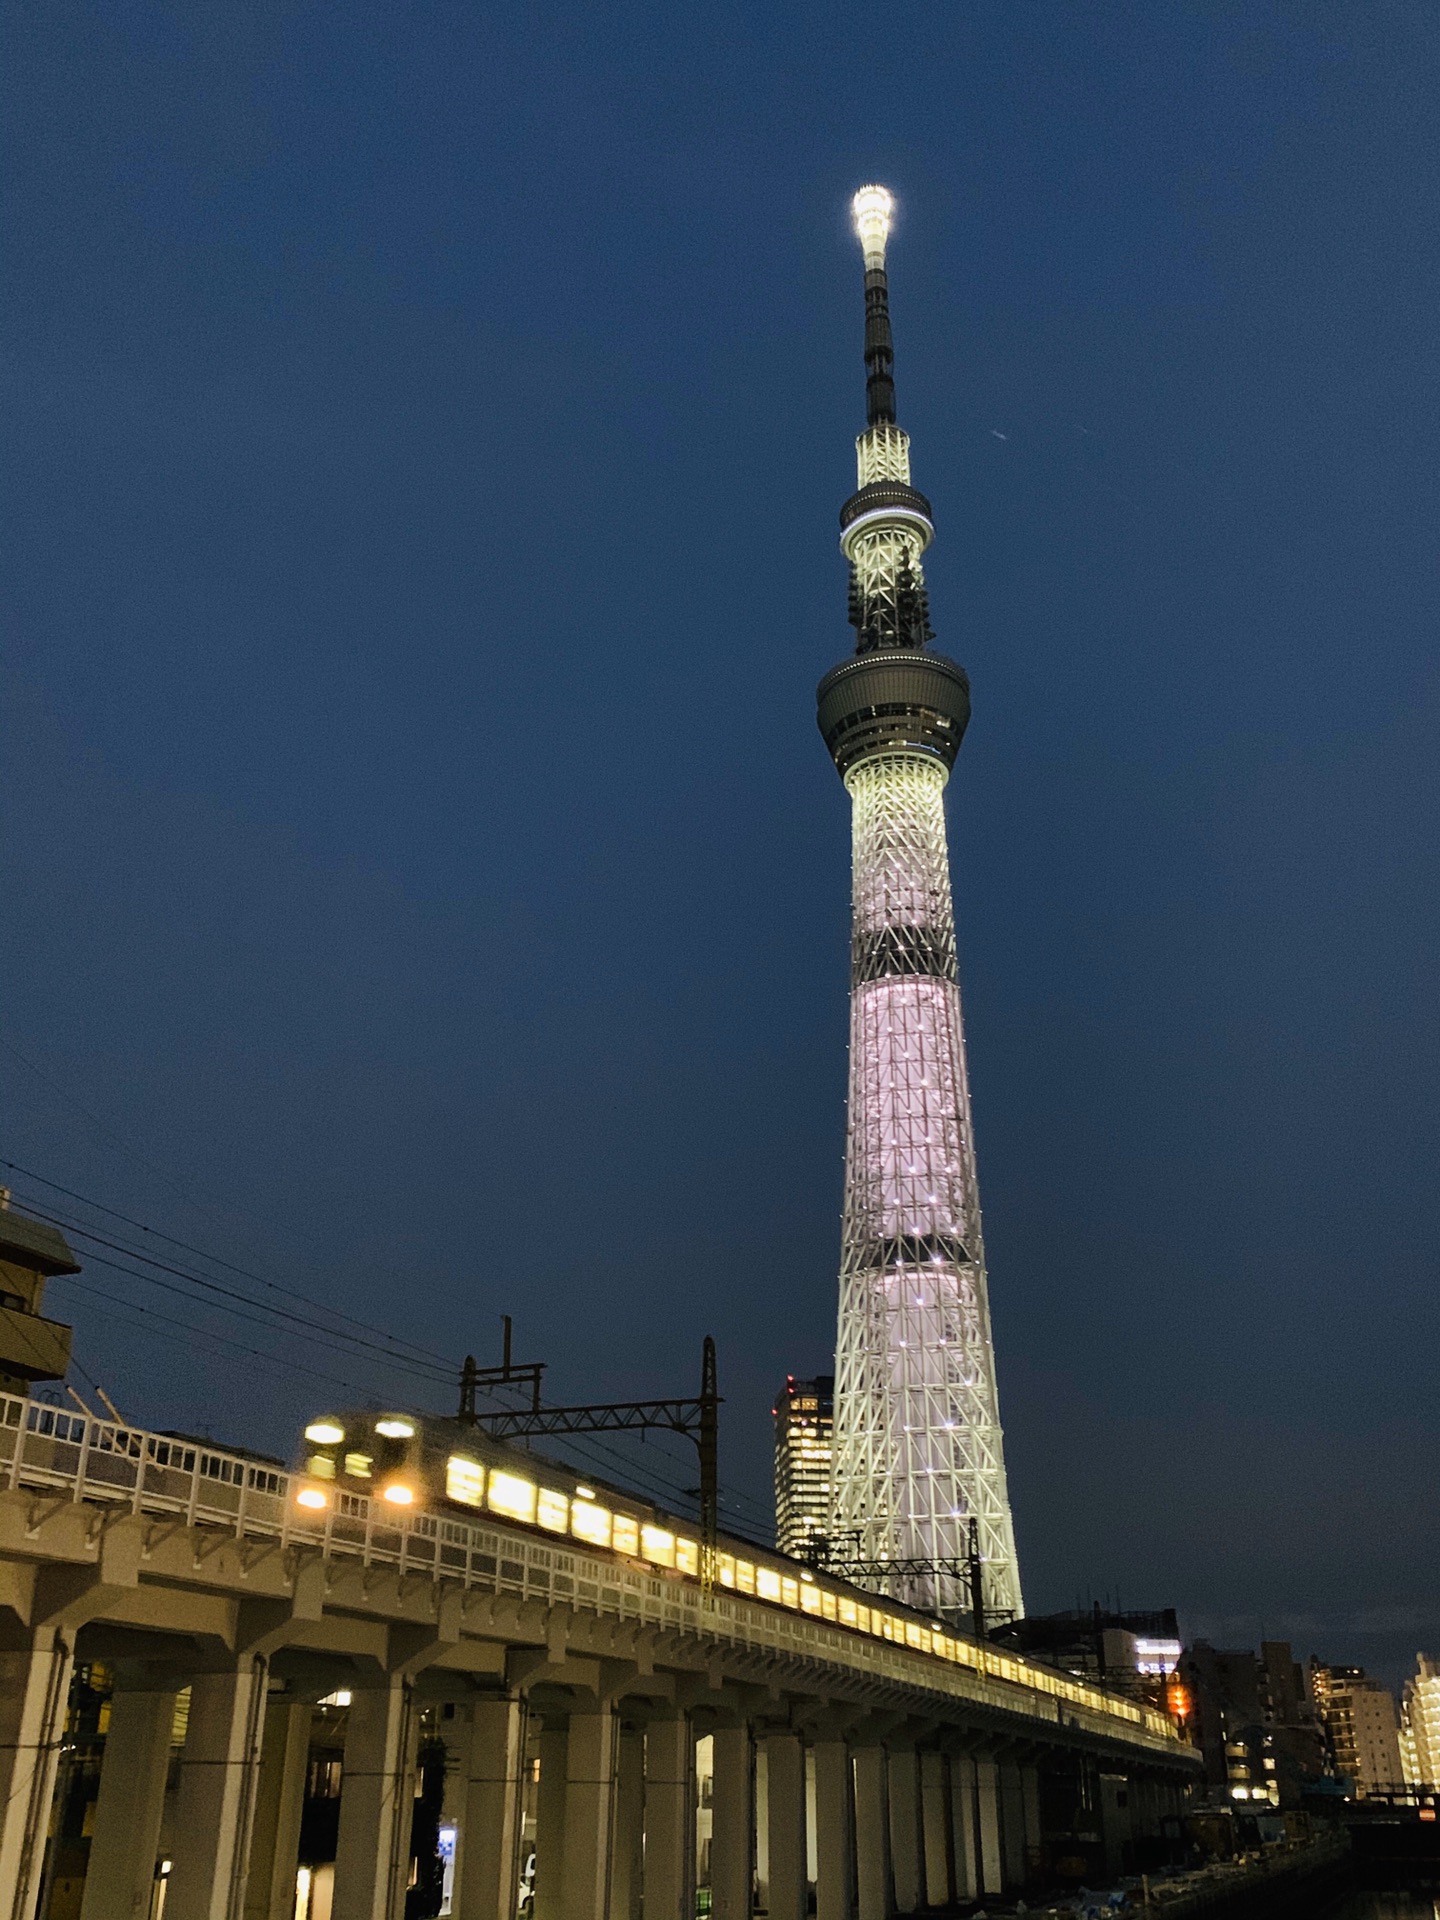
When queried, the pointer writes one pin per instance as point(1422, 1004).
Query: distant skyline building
point(1422, 1720)
point(1362, 1723)
point(917, 1419)
point(804, 1458)
point(1131, 1652)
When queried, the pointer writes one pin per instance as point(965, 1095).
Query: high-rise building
point(804, 1453)
point(1422, 1719)
point(1361, 1723)
point(917, 1418)
point(1254, 1722)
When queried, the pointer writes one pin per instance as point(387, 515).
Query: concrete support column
point(966, 1852)
point(732, 1831)
point(550, 1822)
point(872, 1849)
point(1034, 1833)
point(120, 1875)
point(987, 1816)
point(1012, 1824)
point(487, 1869)
point(905, 1858)
point(215, 1807)
point(628, 1853)
point(589, 1812)
point(786, 1894)
point(34, 1692)
point(669, 1889)
point(935, 1829)
point(279, 1803)
point(834, 1837)
point(376, 1802)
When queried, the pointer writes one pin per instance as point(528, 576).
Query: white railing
point(47, 1449)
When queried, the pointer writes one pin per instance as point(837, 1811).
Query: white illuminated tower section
point(917, 1419)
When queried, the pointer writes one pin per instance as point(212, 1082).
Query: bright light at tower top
point(873, 209)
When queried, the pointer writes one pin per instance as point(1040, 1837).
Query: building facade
point(1362, 1725)
point(1255, 1724)
point(918, 1451)
point(804, 1414)
point(1421, 1730)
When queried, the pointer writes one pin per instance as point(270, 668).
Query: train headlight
point(398, 1494)
point(314, 1498)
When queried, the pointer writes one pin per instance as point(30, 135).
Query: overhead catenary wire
point(218, 1260)
point(418, 1362)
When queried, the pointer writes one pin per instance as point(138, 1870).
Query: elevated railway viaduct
point(588, 1703)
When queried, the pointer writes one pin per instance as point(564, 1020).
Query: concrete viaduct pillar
point(834, 1829)
point(120, 1875)
point(215, 1809)
point(732, 1843)
point(872, 1840)
point(628, 1854)
point(935, 1828)
point(787, 1871)
point(487, 1865)
point(669, 1878)
point(376, 1794)
point(280, 1802)
point(906, 1857)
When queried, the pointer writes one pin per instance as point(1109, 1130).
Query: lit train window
point(744, 1576)
point(767, 1583)
point(810, 1600)
point(590, 1523)
point(658, 1546)
point(849, 1612)
point(464, 1481)
point(687, 1556)
point(552, 1511)
point(725, 1569)
point(789, 1593)
point(512, 1496)
point(625, 1534)
point(358, 1464)
point(829, 1606)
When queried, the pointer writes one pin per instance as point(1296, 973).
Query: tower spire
point(919, 1470)
point(873, 209)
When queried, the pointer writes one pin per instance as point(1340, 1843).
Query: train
point(420, 1463)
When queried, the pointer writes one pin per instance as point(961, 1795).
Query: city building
point(1421, 1722)
point(32, 1348)
point(1254, 1722)
point(804, 1448)
point(1362, 1724)
point(1134, 1653)
point(917, 1422)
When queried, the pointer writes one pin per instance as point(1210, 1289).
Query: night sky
point(424, 885)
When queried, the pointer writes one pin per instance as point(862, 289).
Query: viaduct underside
point(588, 1709)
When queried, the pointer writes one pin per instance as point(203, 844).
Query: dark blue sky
point(423, 879)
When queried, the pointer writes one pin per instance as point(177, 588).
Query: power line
point(425, 1366)
point(215, 1259)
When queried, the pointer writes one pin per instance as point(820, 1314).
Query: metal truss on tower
point(918, 1452)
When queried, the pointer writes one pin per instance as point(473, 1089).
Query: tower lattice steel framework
point(917, 1422)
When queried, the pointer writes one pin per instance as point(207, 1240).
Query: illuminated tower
point(917, 1419)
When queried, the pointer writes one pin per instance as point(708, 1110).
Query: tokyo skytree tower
point(917, 1418)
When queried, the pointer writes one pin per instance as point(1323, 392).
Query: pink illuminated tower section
point(918, 1450)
